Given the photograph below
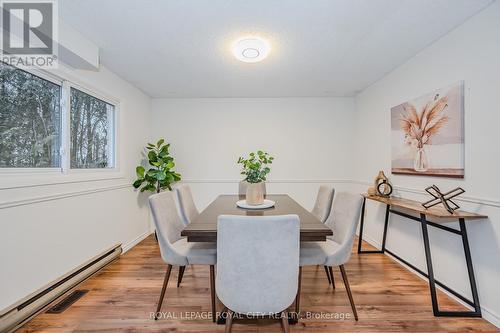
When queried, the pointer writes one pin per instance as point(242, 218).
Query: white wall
point(470, 53)
point(51, 223)
point(309, 137)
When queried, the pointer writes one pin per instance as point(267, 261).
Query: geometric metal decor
point(443, 198)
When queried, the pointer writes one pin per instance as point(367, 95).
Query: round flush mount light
point(251, 49)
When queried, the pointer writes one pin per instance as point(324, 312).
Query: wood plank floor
point(122, 296)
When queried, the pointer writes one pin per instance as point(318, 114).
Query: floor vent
point(67, 301)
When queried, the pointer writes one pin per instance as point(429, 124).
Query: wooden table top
point(204, 227)
point(415, 206)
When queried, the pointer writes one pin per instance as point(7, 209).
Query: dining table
point(204, 227)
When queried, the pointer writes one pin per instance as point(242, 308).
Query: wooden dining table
point(204, 227)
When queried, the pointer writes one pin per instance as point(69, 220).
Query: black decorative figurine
point(444, 198)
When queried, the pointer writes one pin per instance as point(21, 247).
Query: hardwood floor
point(122, 296)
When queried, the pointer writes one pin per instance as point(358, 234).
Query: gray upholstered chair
point(323, 204)
point(321, 210)
point(336, 251)
point(242, 187)
point(186, 204)
point(257, 272)
point(174, 249)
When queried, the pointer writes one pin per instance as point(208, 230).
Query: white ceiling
point(180, 48)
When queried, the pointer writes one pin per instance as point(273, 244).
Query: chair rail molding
point(61, 181)
point(275, 181)
point(61, 195)
point(470, 199)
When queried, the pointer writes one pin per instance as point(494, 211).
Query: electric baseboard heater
point(22, 311)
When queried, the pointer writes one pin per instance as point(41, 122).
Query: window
point(30, 120)
point(38, 129)
point(91, 131)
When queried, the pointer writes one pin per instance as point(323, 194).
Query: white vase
point(255, 194)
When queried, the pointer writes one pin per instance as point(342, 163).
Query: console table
point(404, 208)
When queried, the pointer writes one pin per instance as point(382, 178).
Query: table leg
point(386, 224)
point(433, 282)
point(430, 271)
point(361, 226)
point(470, 269)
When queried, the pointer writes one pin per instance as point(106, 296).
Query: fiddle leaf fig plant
point(160, 175)
point(255, 166)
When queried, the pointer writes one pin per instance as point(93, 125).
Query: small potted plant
point(255, 168)
point(160, 175)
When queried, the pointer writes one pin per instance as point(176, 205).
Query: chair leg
point(328, 275)
point(229, 321)
point(212, 291)
point(297, 298)
point(331, 276)
point(284, 322)
point(181, 274)
point(349, 294)
point(163, 289)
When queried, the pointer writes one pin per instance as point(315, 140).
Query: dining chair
point(175, 250)
point(336, 251)
point(323, 204)
point(321, 211)
point(186, 204)
point(257, 271)
point(242, 187)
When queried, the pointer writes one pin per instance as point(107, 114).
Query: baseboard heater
point(22, 311)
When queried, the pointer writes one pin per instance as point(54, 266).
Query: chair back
point(186, 204)
point(323, 203)
point(343, 220)
point(257, 262)
point(168, 226)
point(242, 187)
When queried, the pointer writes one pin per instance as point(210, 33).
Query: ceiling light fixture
point(251, 49)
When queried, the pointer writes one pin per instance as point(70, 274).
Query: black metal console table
point(442, 217)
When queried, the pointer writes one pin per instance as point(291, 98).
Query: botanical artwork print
point(428, 134)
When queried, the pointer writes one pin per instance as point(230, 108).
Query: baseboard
point(136, 240)
point(488, 314)
point(491, 316)
point(17, 314)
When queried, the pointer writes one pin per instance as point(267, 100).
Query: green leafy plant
point(161, 174)
point(254, 167)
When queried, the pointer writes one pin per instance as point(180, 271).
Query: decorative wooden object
point(443, 198)
point(381, 186)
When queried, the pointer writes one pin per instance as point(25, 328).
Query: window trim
point(61, 173)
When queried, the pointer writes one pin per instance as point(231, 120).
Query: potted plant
point(160, 175)
point(255, 168)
